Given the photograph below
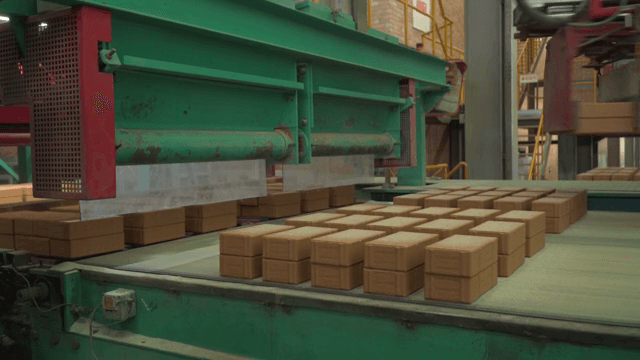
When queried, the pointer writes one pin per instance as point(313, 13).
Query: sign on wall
point(422, 22)
point(528, 78)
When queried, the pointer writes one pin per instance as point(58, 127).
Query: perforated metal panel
point(56, 80)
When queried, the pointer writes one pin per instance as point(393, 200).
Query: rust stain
point(148, 156)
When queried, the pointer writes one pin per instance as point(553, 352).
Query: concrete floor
point(590, 273)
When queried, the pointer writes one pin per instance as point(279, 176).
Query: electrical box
point(119, 304)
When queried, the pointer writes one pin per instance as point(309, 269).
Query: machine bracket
point(110, 59)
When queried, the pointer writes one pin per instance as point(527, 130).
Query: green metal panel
point(9, 170)
point(24, 164)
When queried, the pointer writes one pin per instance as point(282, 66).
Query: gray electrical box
point(119, 304)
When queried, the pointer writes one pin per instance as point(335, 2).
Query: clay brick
point(279, 211)
point(337, 201)
point(154, 218)
point(249, 202)
point(477, 202)
point(241, 267)
point(68, 208)
point(584, 177)
point(344, 248)
point(583, 199)
point(411, 199)
point(342, 191)
point(445, 228)
point(464, 193)
point(154, 235)
point(455, 187)
point(432, 213)
point(395, 210)
point(401, 251)
point(461, 255)
point(576, 207)
point(25, 224)
point(512, 190)
point(287, 272)
point(312, 219)
point(359, 209)
point(292, 245)
point(7, 242)
point(449, 201)
point(535, 244)
point(511, 235)
point(460, 289)
point(530, 194)
point(602, 176)
point(553, 207)
point(481, 188)
point(283, 198)
point(636, 177)
point(508, 264)
point(545, 191)
point(201, 226)
point(510, 203)
point(211, 210)
point(71, 249)
point(314, 205)
point(434, 192)
point(33, 244)
point(315, 194)
point(478, 216)
point(351, 222)
point(393, 283)
point(558, 225)
point(622, 176)
point(337, 277)
point(247, 241)
point(497, 193)
point(77, 229)
point(252, 211)
point(7, 220)
point(534, 221)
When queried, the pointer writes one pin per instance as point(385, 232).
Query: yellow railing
point(457, 167)
point(444, 170)
point(534, 168)
point(440, 35)
point(526, 59)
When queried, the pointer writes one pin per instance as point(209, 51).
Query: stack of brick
point(12, 194)
point(454, 187)
point(312, 219)
point(71, 239)
point(511, 190)
point(395, 224)
point(337, 260)
point(535, 228)
point(241, 250)
point(544, 191)
point(24, 233)
point(497, 194)
point(610, 174)
point(202, 219)
point(445, 228)
point(342, 195)
point(432, 213)
point(558, 213)
point(625, 174)
point(394, 264)
point(155, 226)
point(286, 256)
point(315, 200)
point(481, 201)
point(279, 205)
point(434, 192)
point(576, 206)
point(510, 203)
point(446, 200)
point(394, 210)
point(530, 194)
point(464, 193)
point(360, 209)
point(351, 222)
point(511, 243)
point(481, 189)
point(582, 199)
point(411, 199)
point(478, 216)
point(474, 273)
point(249, 207)
point(68, 208)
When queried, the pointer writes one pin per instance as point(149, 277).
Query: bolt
point(110, 53)
point(304, 122)
point(302, 70)
point(54, 341)
point(75, 345)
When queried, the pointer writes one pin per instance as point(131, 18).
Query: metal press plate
point(328, 171)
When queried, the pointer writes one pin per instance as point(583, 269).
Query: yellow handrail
point(457, 167)
point(439, 168)
point(535, 149)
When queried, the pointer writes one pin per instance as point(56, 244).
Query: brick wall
point(388, 17)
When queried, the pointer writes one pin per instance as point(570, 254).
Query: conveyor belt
point(587, 274)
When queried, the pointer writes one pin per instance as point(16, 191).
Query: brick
point(312, 219)
point(460, 289)
point(434, 192)
point(508, 264)
point(337, 201)
point(287, 272)
point(497, 193)
point(71, 249)
point(314, 205)
point(558, 225)
point(512, 190)
point(511, 235)
point(25, 223)
point(622, 176)
point(77, 229)
point(201, 226)
point(478, 216)
point(154, 235)
point(534, 221)
point(7, 220)
point(211, 210)
point(279, 211)
point(535, 244)
point(344, 248)
point(583, 199)
point(351, 222)
point(464, 193)
point(411, 199)
point(401, 251)
point(247, 241)
point(68, 208)
point(394, 210)
point(360, 209)
point(249, 202)
point(432, 213)
point(154, 218)
point(636, 177)
point(461, 255)
point(337, 277)
point(530, 194)
point(449, 201)
point(33, 244)
point(481, 188)
point(602, 176)
point(292, 245)
point(545, 191)
point(283, 198)
point(455, 187)
point(315, 194)
point(584, 177)
point(476, 202)
point(241, 267)
point(251, 211)
point(393, 283)
point(445, 228)
point(7, 242)
point(342, 191)
point(553, 207)
point(510, 203)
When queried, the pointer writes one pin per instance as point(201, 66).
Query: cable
point(33, 298)
point(91, 331)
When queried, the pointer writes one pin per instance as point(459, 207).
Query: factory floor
point(588, 274)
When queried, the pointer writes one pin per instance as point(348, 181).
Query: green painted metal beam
point(9, 170)
point(24, 164)
point(351, 144)
point(323, 90)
